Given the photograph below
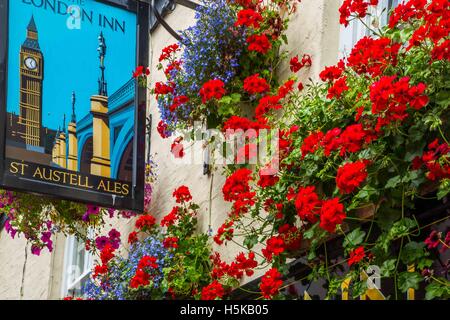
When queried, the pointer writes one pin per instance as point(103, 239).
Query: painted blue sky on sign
point(71, 60)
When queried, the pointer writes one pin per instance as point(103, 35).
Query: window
point(356, 30)
point(77, 267)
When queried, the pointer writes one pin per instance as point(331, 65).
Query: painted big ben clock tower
point(31, 78)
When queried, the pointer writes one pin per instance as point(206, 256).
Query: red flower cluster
point(291, 236)
point(170, 242)
point(274, 247)
point(259, 43)
point(357, 7)
point(333, 72)
point(436, 27)
point(331, 141)
point(266, 104)
point(353, 138)
point(336, 90)
point(436, 169)
point(140, 71)
point(252, 4)
point(182, 194)
point(285, 89)
point(213, 291)
point(267, 180)
point(351, 175)
point(237, 184)
point(147, 262)
point(270, 283)
point(162, 130)
point(373, 56)
point(236, 123)
point(255, 84)
point(212, 89)
point(145, 222)
point(296, 65)
point(225, 232)
point(133, 237)
point(171, 218)
point(406, 11)
point(390, 99)
point(177, 102)
point(141, 278)
point(106, 255)
point(311, 143)
point(177, 148)
point(167, 51)
point(237, 190)
point(350, 140)
point(236, 269)
point(162, 89)
point(248, 18)
point(308, 204)
point(356, 256)
point(175, 65)
point(331, 214)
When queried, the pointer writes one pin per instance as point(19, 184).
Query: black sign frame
point(135, 201)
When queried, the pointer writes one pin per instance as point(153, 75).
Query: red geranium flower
point(212, 89)
point(270, 283)
point(357, 7)
point(167, 51)
point(311, 143)
point(140, 71)
point(141, 278)
point(213, 291)
point(331, 141)
point(237, 184)
point(274, 247)
point(133, 237)
point(332, 73)
point(171, 218)
point(255, 84)
point(145, 222)
point(336, 90)
point(331, 215)
point(147, 262)
point(259, 43)
point(171, 242)
point(249, 18)
point(182, 194)
point(162, 130)
point(225, 232)
point(296, 65)
point(350, 176)
point(356, 256)
point(307, 204)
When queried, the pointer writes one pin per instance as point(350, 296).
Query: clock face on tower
point(30, 63)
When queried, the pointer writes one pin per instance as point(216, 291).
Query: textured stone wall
point(313, 30)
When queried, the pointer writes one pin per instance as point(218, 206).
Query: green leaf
point(250, 241)
point(412, 252)
point(437, 290)
point(387, 267)
point(354, 238)
point(408, 280)
point(393, 182)
point(444, 189)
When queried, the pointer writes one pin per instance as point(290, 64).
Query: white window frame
point(73, 276)
point(356, 30)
